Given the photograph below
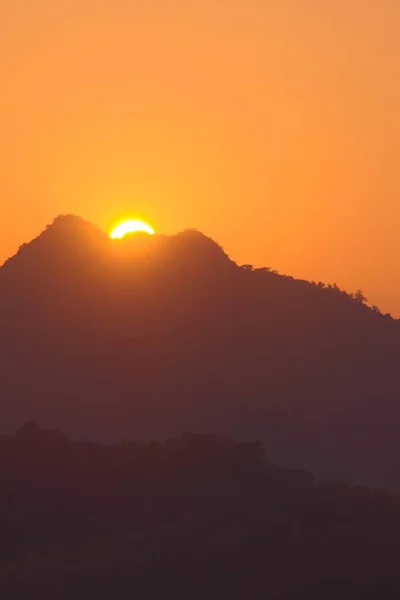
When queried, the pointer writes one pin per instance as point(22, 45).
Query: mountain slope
point(155, 335)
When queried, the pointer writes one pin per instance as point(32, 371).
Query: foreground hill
point(150, 336)
point(198, 516)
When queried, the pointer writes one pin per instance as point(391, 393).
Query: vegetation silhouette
point(150, 336)
point(196, 516)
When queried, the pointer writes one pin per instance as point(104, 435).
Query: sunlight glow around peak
point(131, 226)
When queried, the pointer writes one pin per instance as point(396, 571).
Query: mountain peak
point(73, 229)
point(196, 249)
point(67, 233)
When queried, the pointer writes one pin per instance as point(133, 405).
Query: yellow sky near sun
point(272, 126)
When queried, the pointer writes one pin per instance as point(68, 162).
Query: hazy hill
point(155, 335)
point(197, 516)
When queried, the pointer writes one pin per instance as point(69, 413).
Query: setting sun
point(131, 226)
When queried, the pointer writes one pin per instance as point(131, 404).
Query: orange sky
point(271, 125)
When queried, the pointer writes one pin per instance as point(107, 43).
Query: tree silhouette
point(359, 296)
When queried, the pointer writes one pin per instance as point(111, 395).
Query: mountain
point(152, 335)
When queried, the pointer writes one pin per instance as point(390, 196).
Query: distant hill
point(152, 335)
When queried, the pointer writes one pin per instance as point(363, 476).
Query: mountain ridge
point(70, 231)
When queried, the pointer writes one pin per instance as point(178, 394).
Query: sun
point(130, 226)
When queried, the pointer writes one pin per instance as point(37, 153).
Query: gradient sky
point(271, 125)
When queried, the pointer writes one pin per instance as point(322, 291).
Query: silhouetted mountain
point(198, 516)
point(152, 335)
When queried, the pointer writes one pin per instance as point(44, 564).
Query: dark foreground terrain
point(195, 517)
